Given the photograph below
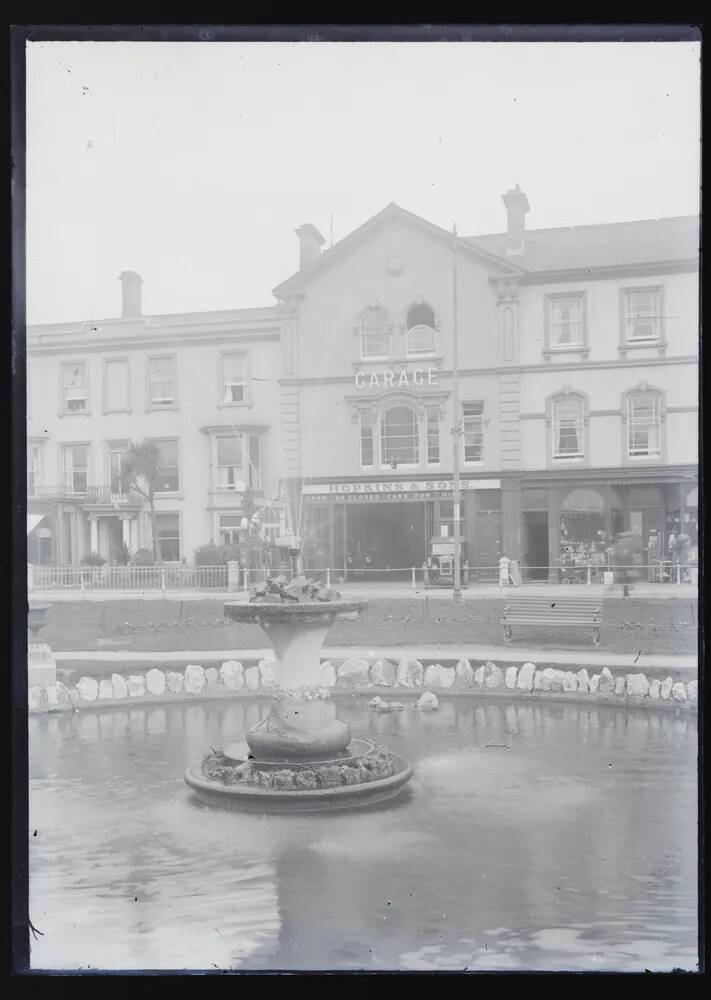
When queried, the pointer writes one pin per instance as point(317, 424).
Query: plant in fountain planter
point(299, 590)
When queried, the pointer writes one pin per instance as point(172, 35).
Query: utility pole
point(456, 430)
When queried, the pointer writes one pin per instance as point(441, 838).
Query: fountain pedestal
point(41, 666)
point(301, 757)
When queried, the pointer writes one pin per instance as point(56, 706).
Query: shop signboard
point(394, 491)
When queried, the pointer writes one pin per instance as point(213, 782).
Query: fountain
point(300, 758)
point(41, 668)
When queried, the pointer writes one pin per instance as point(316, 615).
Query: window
point(169, 477)
point(74, 388)
point(644, 432)
point(374, 332)
point(168, 531)
point(255, 461)
point(117, 459)
point(34, 477)
point(565, 320)
point(420, 330)
point(76, 464)
point(473, 428)
point(229, 528)
point(161, 379)
point(399, 437)
point(642, 314)
point(116, 385)
point(367, 444)
point(432, 435)
point(234, 378)
point(568, 428)
point(230, 473)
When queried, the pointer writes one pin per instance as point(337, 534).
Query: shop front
point(380, 530)
point(569, 527)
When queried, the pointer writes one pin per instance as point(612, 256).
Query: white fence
point(163, 578)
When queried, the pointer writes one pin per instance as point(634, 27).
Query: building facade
point(577, 415)
point(577, 360)
point(200, 387)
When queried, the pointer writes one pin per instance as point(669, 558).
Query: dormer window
point(420, 330)
point(373, 330)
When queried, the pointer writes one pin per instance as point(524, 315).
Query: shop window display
point(583, 542)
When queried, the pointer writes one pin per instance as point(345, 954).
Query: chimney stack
point(310, 243)
point(131, 283)
point(517, 205)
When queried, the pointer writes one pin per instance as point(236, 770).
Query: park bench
point(560, 612)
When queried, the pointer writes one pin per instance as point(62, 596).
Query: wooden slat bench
point(560, 612)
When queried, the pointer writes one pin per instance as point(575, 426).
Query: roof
point(615, 244)
point(496, 261)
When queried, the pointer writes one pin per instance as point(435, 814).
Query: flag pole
point(456, 430)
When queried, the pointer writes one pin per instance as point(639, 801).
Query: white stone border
point(233, 679)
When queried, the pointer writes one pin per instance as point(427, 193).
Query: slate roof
point(607, 245)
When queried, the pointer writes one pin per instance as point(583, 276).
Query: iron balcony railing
point(101, 495)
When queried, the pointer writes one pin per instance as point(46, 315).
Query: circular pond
point(532, 836)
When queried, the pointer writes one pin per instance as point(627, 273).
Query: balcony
point(87, 496)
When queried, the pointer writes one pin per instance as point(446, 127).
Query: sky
point(193, 163)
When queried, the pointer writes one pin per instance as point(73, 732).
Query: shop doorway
point(535, 545)
point(385, 540)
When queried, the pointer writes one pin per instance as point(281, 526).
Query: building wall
point(198, 405)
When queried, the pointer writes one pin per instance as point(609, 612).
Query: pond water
point(533, 836)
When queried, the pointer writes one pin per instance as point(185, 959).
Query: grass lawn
point(629, 626)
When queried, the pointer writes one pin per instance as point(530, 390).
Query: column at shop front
point(553, 535)
point(511, 518)
point(94, 534)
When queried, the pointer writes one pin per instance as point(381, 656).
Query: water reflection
point(533, 836)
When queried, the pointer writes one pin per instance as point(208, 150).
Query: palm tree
point(141, 471)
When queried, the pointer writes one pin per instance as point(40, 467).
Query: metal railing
point(128, 578)
point(103, 495)
point(180, 577)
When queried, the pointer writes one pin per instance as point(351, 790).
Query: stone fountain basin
point(247, 797)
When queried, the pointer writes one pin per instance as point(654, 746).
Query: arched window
point(568, 427)
point(399, 442)
point(420, 330)
point(643, 412)
point(373, 329)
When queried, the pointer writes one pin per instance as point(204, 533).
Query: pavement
point(497, 654)
point(396, 591)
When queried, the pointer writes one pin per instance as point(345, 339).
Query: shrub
point(216, 555)
point(144, 557)
point(92, 559)
point(123, 556)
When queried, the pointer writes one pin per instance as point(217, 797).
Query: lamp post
point(457, 428)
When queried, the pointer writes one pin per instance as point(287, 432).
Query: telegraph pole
point(456, 430)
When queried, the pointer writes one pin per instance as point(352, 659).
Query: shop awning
point(32, 521)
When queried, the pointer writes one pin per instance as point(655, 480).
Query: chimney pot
point(131, 306)
point(517, 205)
point(310, 243)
